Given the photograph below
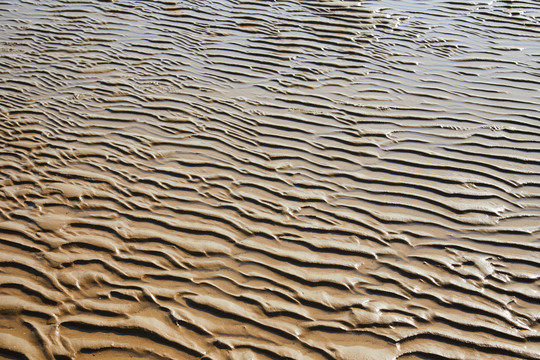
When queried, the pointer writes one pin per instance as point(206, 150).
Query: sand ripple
point(246, 179)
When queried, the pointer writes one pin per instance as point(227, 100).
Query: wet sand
point(253, 179)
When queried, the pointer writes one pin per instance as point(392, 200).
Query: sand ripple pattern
point(248, 179)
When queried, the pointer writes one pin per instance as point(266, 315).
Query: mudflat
point(248, 179)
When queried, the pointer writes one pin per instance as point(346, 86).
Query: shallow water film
point(255, 179)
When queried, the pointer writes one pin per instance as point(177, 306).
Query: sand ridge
point(244, 179)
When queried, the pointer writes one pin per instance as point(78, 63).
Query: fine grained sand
point(248, 179)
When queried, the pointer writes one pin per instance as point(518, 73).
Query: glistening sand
point(249, 179)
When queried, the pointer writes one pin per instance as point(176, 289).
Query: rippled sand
point(249, 179)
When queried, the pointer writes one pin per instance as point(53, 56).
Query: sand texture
point(256, 179)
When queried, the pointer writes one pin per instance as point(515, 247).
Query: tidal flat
point(287, 179)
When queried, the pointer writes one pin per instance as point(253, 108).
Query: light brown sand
point(247, 179)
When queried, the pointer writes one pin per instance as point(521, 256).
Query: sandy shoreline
point(269, 180)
